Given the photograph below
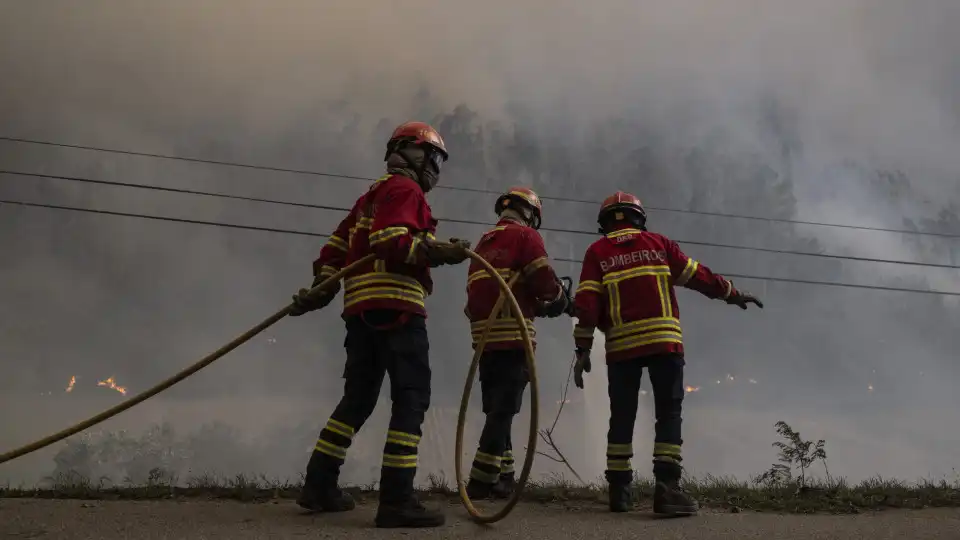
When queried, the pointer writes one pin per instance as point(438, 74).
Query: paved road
point(202, 520)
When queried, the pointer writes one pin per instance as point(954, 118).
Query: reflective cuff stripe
point(728, 288)
point(688, 272)
point(487, 459)
point(338, 243)
point(666, 449)
point(505, 273)
point(507, 464)
point(338, 427)
point(643, 340)
point(327, 271)
point(667, 459)
point(484, 476)
point(618, 465)
point(640, 271)
point(582, 332)
point(535, 265)
point(385, 234)
point(402, 439)
point(397, 461)
point(331, 449)
point(620, 450)
point(589, 286)
point(642, 326)
point(623, 232)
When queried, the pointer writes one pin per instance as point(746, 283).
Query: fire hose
point(506, 294)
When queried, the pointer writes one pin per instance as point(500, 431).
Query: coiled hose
point(506, 293)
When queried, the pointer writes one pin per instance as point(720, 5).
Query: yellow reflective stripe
point(583, 332)
point(379, 266)
point(664, 285)
point(397, 461)
point(484, 476)
point(337, 243)
point(620, 449)
point(589, 286)
point(331, 449)
point(505, 273)
point(382, 293)
point(385, 234)
point(508, 455)
point(613, 296)
point(666, 449)
point(666, 459)
point(412, 253)
point(618, 464)
point(642, 340)
point(340, 428)
point(383, 278)
point(487, 459)
point(507, 468)
point(688, 272)
point(640, 271)
point(402, 438)
point(643, 325)
point(535, 265)
point(327, 270)
point(623, 232)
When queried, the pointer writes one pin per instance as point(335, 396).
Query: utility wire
point(467, 221)
point(468, 189)
point(574, 261)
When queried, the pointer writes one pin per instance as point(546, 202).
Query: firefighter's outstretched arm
point(397, 234)
point(541, 278)
point(588, 302)
point(689, 273)
point(331, 260)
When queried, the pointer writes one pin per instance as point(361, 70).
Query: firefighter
point(513, 246)
point(383, 307)
point(626, 290)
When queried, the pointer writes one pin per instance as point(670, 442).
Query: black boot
point(478, 490)
point(325, 499)
point(504, 487)
point(669, 499)
point(407, 514)
point(621, 497)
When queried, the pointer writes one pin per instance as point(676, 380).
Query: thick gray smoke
point(842, 111)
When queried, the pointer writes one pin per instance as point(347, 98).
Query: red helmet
point(419, 134)
point(523, 195)
point(621, 201)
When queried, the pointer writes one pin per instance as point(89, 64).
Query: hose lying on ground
point(506, 294)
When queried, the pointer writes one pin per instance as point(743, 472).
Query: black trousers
point(503, 379)
point(666, 378)
point(402, 351)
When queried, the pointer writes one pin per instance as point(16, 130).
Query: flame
point(690, 389)
point(73, 381)
point(112, 384)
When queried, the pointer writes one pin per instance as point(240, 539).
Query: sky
point(843, 111)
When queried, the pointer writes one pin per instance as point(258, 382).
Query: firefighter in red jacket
point(626, 290)
point(513, 246)
point(383, 306)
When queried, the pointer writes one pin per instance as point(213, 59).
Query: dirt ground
point(227, 520)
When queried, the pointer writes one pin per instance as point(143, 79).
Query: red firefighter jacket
point(510, 247)
point(389, 220)
point(626, 290)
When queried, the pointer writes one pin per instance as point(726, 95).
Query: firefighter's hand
point(742, 298)
point(305, 302)
point(582, 365)
point(555, 308)
point(438, 253)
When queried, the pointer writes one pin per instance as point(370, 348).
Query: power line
point(574, 261)
point(471, 222)
point(468, 189)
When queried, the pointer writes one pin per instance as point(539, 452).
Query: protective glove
point(438, 253)
point(742, 298)
point(555, 308)
point(582, 365)
point(305, 302)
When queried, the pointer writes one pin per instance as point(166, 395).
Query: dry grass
point(715, 492)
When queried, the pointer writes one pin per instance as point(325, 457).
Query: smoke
point(842, 111)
